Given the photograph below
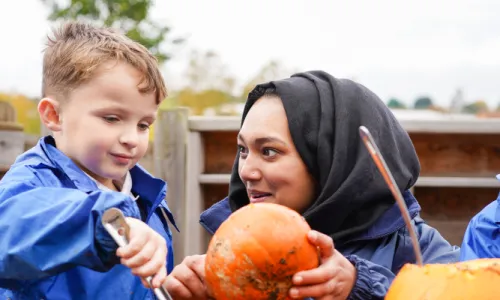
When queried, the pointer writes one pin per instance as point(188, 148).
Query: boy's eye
point(110, 119)
point(143, 126)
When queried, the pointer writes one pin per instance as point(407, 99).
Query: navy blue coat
point(379, 253)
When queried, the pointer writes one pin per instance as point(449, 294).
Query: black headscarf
point(324, 115)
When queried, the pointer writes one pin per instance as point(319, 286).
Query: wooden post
point(170, 140)
point(11, 137)
point(11, 145)
point(194, 196)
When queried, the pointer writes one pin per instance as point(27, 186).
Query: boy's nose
point(129, 138)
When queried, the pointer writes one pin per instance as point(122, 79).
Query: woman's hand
point(332, 280)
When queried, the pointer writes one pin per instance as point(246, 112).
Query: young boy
point(482, 236)
point(101, 92)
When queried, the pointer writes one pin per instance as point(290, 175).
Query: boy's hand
point(187, 280)
point(146, 253)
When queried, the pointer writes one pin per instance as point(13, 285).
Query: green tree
point(476, 107)
point(198, 101)
point(207, 71)
point(209, 84)
point(423, 103)
point(273, 70)
point(395, 103)
point(131, 16)
point(26, 111)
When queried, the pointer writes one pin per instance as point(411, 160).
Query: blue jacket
point(52, 243)
point(482, 236)
point(379, 253)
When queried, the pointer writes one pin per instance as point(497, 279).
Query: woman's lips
point(258, 196)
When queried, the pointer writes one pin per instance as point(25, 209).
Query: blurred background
point(437, 55)
point(436, 64)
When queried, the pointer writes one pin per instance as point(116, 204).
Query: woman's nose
point(249, 170)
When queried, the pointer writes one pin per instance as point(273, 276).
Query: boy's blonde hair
point(77, 49)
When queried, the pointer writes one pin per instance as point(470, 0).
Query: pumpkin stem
point(389, 179)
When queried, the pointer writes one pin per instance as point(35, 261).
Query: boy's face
point(104, 125)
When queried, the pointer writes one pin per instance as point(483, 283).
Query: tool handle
point(115, 224)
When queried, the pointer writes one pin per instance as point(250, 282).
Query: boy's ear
point(48, 109)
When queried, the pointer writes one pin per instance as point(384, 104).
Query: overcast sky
point(396, 48)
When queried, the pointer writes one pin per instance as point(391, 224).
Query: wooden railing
point(459, 160)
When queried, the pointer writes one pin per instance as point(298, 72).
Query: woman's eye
point(110, 119)
point(242, 150)
point(269, 152)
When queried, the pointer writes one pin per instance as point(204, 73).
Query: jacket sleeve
point(435, 248)
point(480, 239)
point(373, 280)
point(48, 230)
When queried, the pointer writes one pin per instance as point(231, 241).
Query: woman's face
point(269, 165)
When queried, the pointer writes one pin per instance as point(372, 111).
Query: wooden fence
point(459, 160)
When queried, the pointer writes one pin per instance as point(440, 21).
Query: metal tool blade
point(376, 155)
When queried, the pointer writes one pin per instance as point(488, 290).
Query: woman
point(299, 146)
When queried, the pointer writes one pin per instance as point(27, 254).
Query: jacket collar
point(390, 222)
point(150, 189)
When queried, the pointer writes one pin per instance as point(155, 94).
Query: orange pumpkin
point(475, 279)
point(256, 251)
